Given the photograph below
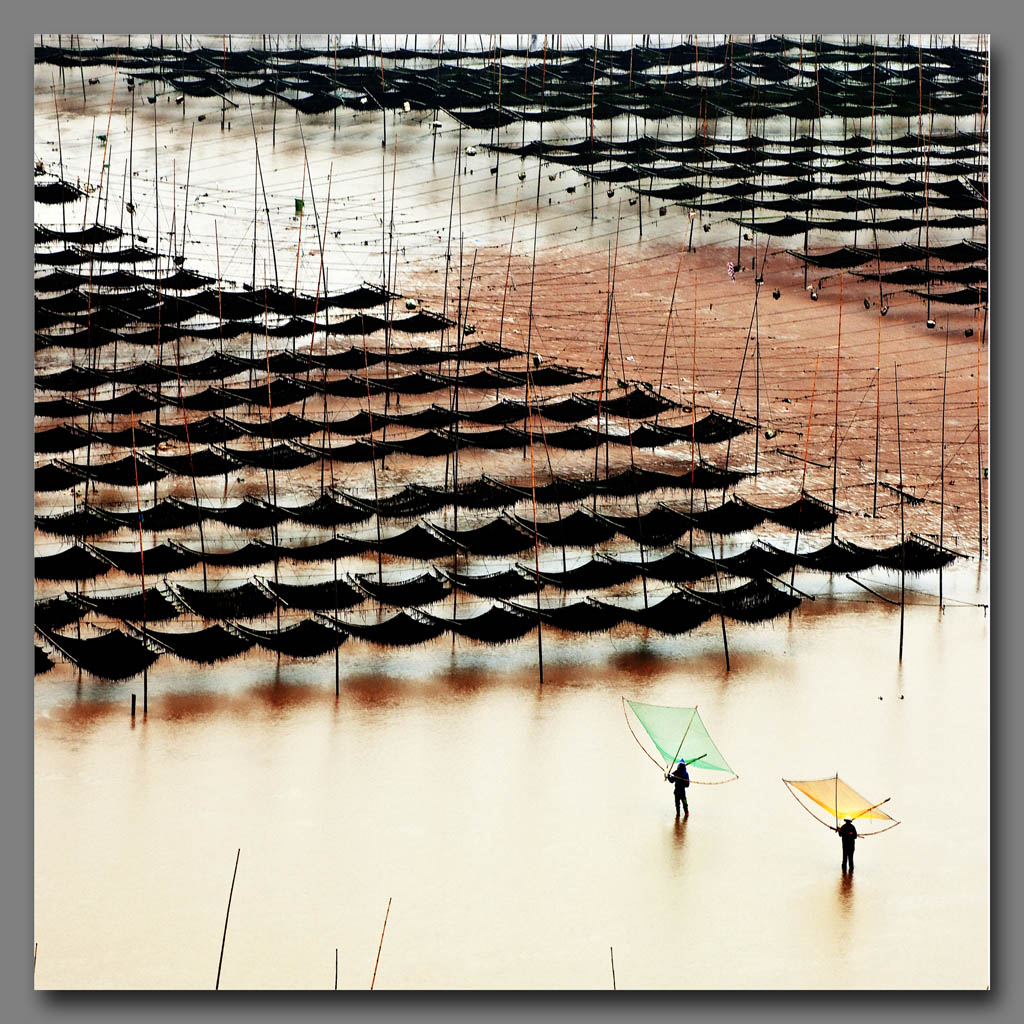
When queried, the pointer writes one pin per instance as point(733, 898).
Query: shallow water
point(518, 830)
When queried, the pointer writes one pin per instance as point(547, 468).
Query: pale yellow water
point(519, 832)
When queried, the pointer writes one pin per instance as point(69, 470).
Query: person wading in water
point(681, 779)
point(848, 834)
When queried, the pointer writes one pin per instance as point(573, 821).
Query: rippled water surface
point(519, 832)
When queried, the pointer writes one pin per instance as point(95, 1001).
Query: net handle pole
point(836, 804)
point(692, 761)
point(871, 808)
point(683, 740)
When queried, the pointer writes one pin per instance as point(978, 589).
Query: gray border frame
point(1001, 18)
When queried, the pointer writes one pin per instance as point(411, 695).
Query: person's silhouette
point(681, 778)
point(848, 834)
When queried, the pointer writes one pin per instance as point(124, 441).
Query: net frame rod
point(637, 738)
point(683, 740)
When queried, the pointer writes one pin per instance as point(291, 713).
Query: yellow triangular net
point(839, 799)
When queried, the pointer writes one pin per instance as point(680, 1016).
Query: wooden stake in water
point(977, 408)
point(188, 180)
point(878, 397)
point(536, 538)
point(335, 968)
point(611, 951)
point(593, 82)
point(942, 458)
point(381, 946)
point(803, 479)
point(266, 205)
point(903, 533)
point(835, 429)
point(226, 916)
point(142, 564)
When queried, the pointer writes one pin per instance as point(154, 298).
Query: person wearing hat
point(681, 779)
point(848, 834)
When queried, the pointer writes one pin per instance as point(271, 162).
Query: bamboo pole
point(758, 280)
point(757, 370)
point(312, 338)
point(604, 374)
point(373, 463)
point(497, 150)
point(60, 148)
point(668, 322)
point(454, 407)
point(536, 538)
point(448, 246)
point(377, 962)
point(718, 591)
point(81, 68)
point(632, 463)
point(878, 396)
point(224, 937)
point(270, 439)
point(835, 430)
point(220, 297)
point(88, 174)
point(298, 244)
point(188, 179)
point(977, 406)
point(508, 271)
point(803, 479)
point(903, 533)
point(266, 205)
point(693, 407)
point(942, 457)
point(321, 279)
point(675, 757)
point(105, 163)
point(529, 323)
point(593, 83)
point(188, 448)
point(142, 563)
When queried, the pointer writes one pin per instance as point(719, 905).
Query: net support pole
point(683, 740)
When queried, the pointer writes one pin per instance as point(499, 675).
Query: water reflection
point(845, 892)
point(279, 695)
point(679, 832)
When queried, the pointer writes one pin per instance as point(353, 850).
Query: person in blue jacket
point(681, 778)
